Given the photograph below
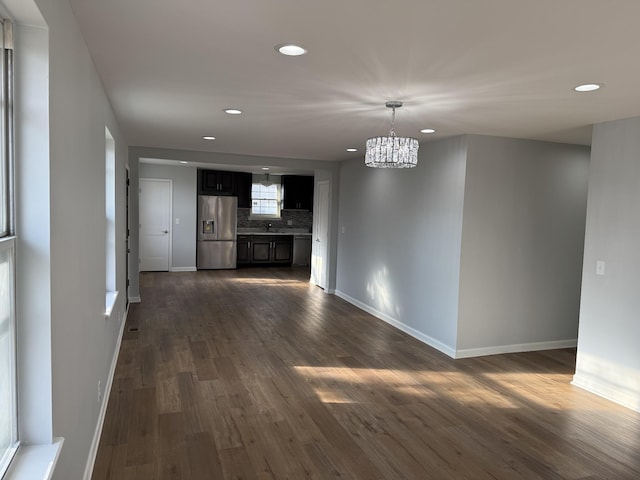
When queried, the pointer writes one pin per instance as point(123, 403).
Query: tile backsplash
point(300, 219)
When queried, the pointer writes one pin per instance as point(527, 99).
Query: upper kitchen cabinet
point(298, 192)
point(213, 182)
point(243, 189)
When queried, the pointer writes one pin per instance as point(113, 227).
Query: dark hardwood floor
point(256, 374)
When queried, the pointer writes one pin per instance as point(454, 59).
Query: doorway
point(319, 255)
point(155, 199)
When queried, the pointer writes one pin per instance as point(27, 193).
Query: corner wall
point(399, 241)
point(476, 251)
point(608, 362)
point(522, 239)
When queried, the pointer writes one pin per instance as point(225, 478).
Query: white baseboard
point(446, 349)
point(93, 451)
point(432, 342)
point(515, 348)
point(183, 269)
point(135, 299)
point(627, 397)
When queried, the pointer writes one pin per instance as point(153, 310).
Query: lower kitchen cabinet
point(283, 249)
point(261, 249)
point(244, 249)
point(265, 249)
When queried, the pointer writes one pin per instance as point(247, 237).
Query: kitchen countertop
point(282, 231)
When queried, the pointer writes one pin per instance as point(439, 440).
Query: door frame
point(127, 233)
point(170, 223)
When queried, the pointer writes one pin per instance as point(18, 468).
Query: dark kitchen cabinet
point(261, 249)
point(214, 182)
point(243, 189)
point(244, 249)
point(265, 249)
point(282, 249)
point(298, 192)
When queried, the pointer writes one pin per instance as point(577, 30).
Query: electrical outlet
point(289, 222)
point(99, 391)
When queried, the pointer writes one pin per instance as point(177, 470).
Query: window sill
point(265, 217)
point(35, 461)
point(110, 302)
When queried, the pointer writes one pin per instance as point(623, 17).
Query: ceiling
point(491, 67)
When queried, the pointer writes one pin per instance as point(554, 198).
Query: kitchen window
point(8, 390)
point(266, 197)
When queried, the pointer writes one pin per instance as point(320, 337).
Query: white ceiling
point(492, 67)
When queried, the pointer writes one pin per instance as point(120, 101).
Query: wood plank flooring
point(256, 374)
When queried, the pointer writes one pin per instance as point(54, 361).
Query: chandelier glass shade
point(391, 151)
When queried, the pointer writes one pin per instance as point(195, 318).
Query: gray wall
point(475, 251)
point(399, 241)
point(609, 342)
point(522, 239)
point(66, 344)
point(183, 235)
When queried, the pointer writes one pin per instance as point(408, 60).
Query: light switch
point(344, 229)
point(177, 221)
point(600, 266)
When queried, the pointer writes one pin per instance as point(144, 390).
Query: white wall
point(522, 239)
point(61, 114)
point(33, 227)
point(608, 360)
point(183, 235)
point(399, 241)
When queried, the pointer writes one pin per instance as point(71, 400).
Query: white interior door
point(155, 224)
point(320, 235)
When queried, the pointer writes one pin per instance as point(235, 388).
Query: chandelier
point(391, 151)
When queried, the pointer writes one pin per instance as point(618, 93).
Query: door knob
point(165, 231)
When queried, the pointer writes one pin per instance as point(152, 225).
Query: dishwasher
point(301, 250)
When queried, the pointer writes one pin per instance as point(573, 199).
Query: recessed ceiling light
point(208, 137)
point(588, 87)
point(352, 149)
point(232, 111)
point(182, 161)
point(428, 130)
point(265, 168)
point(291, 49)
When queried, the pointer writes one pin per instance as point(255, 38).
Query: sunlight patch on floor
point(330, 395)
point(268, 282)
point(332, 385)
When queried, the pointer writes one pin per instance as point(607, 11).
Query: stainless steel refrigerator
point(217, 223)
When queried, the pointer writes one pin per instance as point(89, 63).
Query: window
point(110, 219)
point(8, 396)
point(266, 198)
